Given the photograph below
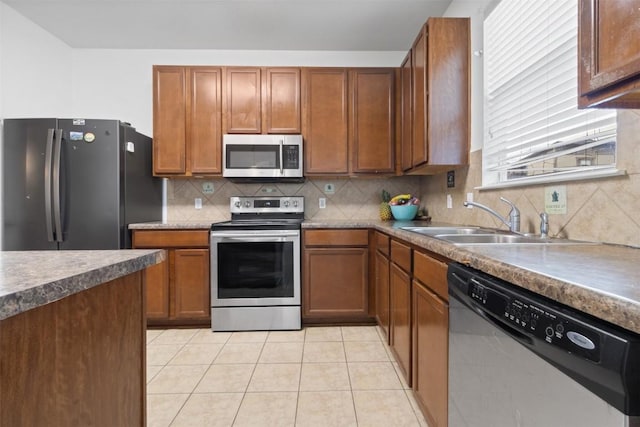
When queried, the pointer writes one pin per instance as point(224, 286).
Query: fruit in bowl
point(404, 207)
point(404, 212)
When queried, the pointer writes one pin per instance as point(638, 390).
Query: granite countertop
point(31, 279)
point(174, 225)
point(602, 280)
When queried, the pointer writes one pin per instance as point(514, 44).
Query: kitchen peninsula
point(72, 337)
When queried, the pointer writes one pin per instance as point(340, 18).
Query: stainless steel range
point(255, 265)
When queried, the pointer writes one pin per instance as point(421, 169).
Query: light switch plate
point(555, 199)
point(198, 203)
point(322, 203)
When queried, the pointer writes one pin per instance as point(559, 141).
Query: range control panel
point(535, 319)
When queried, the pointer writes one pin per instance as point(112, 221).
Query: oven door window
point(255, 270)
point(253, 156)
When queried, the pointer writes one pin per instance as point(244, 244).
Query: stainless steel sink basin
point(433, 231)
point(501, 239)
point(482, 236)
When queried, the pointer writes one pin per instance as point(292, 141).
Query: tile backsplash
point(606, 209)
point(353, 198)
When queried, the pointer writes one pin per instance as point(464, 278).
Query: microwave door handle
point(281, 150)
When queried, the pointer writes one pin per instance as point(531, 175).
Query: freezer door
point(91, 190)
point(23, 198)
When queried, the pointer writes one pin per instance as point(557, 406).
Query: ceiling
point(343, 25)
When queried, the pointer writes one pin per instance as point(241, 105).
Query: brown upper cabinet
point(187, 129)
point(435, 98)
point(262, 100)
point(325, 120)
point(372, 120)
point(609, 54)
point(348, 120)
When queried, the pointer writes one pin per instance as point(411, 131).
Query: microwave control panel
point(291, 157)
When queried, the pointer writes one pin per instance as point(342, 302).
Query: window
point(534, 131)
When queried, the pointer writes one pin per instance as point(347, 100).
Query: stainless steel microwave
point(262, 156)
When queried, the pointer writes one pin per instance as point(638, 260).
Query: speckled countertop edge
point(601, 280)
point(182, 225)
point(31, 279)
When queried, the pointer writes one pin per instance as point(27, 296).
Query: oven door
point(255, 268)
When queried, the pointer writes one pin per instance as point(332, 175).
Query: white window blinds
point(533, 128)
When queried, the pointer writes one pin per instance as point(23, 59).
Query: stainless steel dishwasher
point(519, 359)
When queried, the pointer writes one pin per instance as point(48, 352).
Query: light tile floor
point(320, 376)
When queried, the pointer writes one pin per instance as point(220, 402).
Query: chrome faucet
point(544, 225)
point(514, 214)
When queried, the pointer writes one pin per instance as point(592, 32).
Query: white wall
point(36, 69)
point(116, 84)
point(474, 9)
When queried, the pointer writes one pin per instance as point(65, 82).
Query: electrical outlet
point(469, 199)
point(322, 202)
point(449, 201)
point(198, 203)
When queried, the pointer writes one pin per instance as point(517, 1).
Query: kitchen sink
point(483, 236)
point(433, 231)
point(478, 239)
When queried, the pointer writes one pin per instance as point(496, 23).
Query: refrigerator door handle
point(57, 212)
point(48, 163)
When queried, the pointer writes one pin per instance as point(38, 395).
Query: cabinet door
point(609, 52)
point(430, 356)
point(157, 284)
point(372, 117)
point(400, 314)
point(382, 292)
point(419, 105)
point(169, 120)
point(281, 112)
point(324, 126)
point(447, 91)
point(205, 120)
point(243, 100)
point(191, 285)
point(335, 283)
point(406, 113)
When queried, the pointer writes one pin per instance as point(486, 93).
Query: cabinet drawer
point(382, 243)
point(432, 273)
point(336, 237)
point(170, 238)
point(401, 255)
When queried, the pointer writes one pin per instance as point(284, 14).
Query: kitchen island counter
point(30, 279)
point(73, 337)
point(602, 280)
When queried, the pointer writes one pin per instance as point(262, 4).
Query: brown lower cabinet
point(335, 276)
point(430, 337)
point(400, 306)
point(178, 290)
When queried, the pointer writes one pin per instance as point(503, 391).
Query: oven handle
point(281, 237)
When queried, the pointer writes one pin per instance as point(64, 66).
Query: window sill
point(580, 176)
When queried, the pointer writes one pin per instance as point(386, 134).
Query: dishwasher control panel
point(537, 319)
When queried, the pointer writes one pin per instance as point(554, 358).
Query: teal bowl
point(404, 212)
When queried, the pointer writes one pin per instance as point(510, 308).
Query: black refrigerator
point(75, 184)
